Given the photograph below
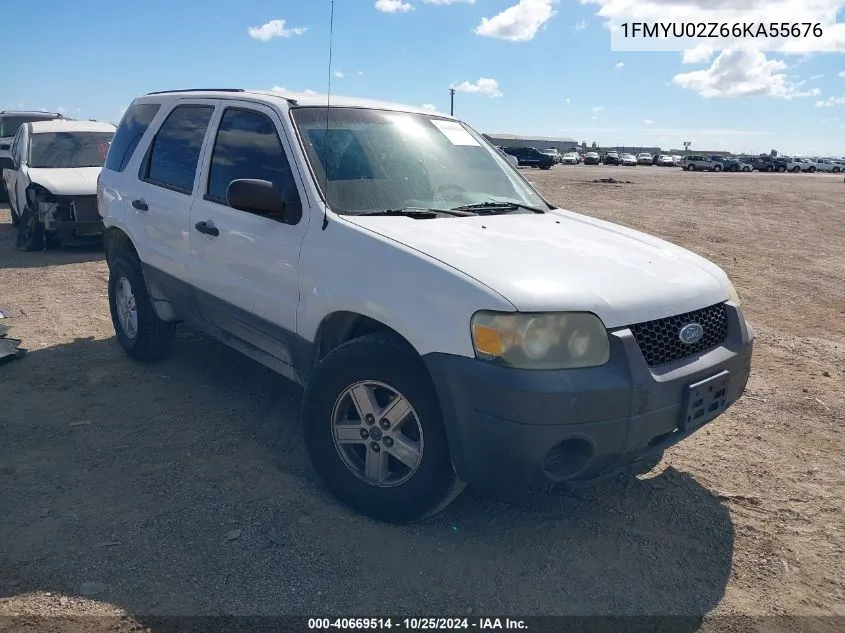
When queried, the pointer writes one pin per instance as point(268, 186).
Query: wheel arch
point(339, 327)
point(116, 241)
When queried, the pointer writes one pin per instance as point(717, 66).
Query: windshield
point(61, 150)
point(379, 160)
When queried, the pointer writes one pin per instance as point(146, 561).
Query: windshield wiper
point(419, 213)
point(498, 204)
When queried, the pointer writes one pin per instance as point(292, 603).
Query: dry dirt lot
point(183, 487)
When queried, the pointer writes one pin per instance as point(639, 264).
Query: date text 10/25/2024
point(417, 624)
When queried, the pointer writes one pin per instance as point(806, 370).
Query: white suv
point(448, 324)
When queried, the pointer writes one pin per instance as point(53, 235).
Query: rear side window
point(248, 146)
point(129, 133)
point(175, 151)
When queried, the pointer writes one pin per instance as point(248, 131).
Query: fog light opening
point(569, 458)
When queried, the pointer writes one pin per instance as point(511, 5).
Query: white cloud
point(742, 73)
point(841, 74)
point(567, 100)
point(698, 55)
point(429, 106)
point(448, 1)
point(814, 77)
point(518, 23)
point(598, 109)
point(580, 26)
point(484, 85)
point(832, 119)
point(273, 29)
point(594, 118)
point(648, 122)
point(281, 89)
point(360, 73)
point(619, 66)
point(393, 6)
point(339, 74)
point(830, 102)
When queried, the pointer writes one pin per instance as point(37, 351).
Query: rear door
point(245, 265)
point(163, 195)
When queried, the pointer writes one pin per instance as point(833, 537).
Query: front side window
point(175, 151)
point(248, 146)
point(369, 160)
point(63, 150)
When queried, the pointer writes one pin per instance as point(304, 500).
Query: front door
point(246, 266)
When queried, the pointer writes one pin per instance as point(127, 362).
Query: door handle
point(203, 227)
point(140, 205)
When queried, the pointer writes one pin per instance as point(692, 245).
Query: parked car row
point(49, 170)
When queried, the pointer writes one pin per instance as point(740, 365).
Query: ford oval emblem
point(691, 333)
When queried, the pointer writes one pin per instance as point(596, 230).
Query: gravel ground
point(183, 489)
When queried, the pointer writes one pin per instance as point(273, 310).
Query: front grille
point(660, 343)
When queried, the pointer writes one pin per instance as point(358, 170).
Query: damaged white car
point(52, 183)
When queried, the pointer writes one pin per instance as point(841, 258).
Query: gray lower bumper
point(513, 429)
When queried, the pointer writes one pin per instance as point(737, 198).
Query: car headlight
point(732, 293)
point(554, 340)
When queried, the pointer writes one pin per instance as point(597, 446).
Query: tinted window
point(68, 149)
point(9, 124)
point(247, 146)
point(175, 150)
point(135, 122)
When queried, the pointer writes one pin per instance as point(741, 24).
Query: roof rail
point(161, 92)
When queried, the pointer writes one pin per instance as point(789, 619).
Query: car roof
point(38, 113)
point(282, 97)
point(70, 125)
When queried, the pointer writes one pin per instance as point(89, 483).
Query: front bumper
point(512, 429)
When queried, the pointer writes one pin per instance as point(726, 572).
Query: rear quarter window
point(135, 122)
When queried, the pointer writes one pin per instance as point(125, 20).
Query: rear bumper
point(515, 429)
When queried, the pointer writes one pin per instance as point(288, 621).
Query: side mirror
point(261, 198)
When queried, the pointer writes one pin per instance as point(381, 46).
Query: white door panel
point(251, 269)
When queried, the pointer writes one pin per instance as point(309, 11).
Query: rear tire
point(143, 336)
point(691, 167)
point(812, 169)
point(717, 168)
point(387, 489)
point(781, 168)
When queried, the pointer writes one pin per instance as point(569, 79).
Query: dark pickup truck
point(769, 163)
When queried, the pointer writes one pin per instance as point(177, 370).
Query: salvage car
point(628, 159)
point(644, 158)
point(52, 182)
point(571, 158)
point(666, 161)
point(10, 121)
point(592, 158)
point(447, 322)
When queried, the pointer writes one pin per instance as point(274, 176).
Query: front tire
point(812, 170)
point(30, 232)
point(374, 431)
point(141, 334)
point(717, 168)
point(781, 168)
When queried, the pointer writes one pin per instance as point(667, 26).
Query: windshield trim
point(323, 195)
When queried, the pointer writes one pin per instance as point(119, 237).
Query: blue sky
point(520, 66)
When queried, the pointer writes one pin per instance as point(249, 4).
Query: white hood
point(565, 261)
point(74, 181)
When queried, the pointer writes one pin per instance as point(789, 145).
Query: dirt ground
point(183, 487)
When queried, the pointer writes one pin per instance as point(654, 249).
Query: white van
point(449, 325)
